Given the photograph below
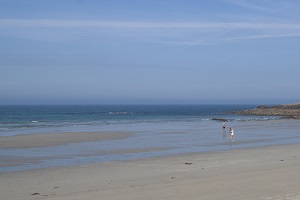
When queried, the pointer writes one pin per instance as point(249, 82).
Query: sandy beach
point(256, 173)
point(56, 139)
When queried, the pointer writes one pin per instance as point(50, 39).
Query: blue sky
point(149, 51)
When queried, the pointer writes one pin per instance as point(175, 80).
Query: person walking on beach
point(224, 127)
point(231, 133)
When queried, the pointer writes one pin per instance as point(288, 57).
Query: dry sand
point(270, 173)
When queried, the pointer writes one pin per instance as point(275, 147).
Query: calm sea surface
point(15, 120)
point(158, 130)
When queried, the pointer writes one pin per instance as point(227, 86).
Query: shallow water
point(156, 139)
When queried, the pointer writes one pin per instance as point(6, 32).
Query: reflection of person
point(231, 132)
point(224, 126)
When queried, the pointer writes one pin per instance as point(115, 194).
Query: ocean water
point(157, 130)
point(16, 120)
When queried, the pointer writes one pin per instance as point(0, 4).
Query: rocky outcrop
point(220, 119)
point(285, 110)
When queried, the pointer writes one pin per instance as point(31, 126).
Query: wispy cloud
point(214, 41)
point(169, 33)
point(259, 6)
point(55, 23)
point(262, 36)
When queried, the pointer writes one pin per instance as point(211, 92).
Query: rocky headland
point(291, 111)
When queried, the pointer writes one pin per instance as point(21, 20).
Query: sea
point(157, 130)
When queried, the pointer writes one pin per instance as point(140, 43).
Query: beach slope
point(258, 173)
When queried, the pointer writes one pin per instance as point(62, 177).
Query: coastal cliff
point(291, 111)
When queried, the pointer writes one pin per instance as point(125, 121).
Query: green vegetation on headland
point(291, 111)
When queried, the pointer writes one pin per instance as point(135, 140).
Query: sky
point(149, 51)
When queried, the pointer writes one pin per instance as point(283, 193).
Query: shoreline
point(60, 138)
point(47, 150)
point(270, 172)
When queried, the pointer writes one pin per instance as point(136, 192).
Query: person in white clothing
point(231, 132)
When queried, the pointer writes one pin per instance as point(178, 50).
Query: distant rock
point(291, 111)
point(220, 119)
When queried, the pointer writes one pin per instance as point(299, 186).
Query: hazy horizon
point(146, 103)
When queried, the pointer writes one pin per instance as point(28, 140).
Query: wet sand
point(57, 139)
point(256, 173)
